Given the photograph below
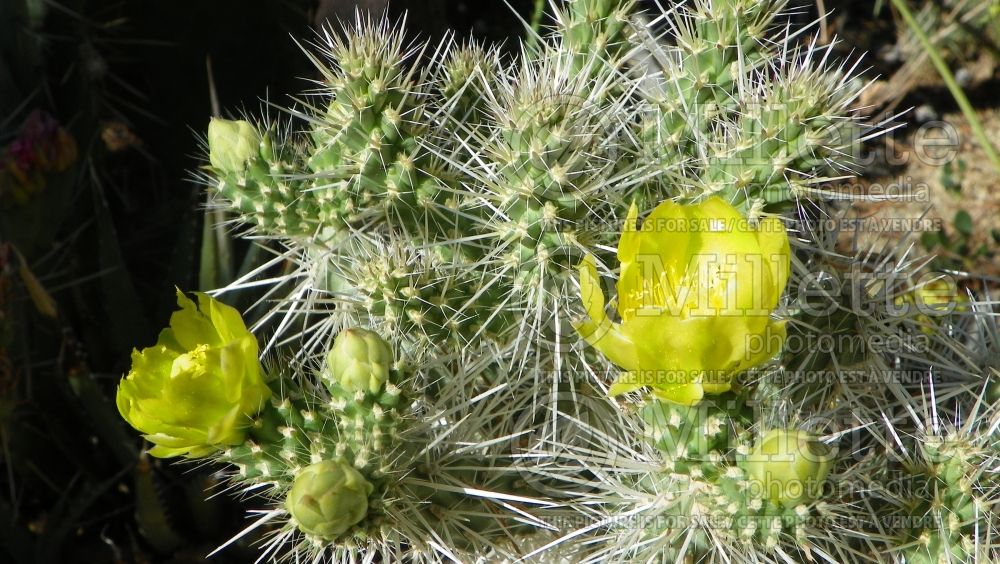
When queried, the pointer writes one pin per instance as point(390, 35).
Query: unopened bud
point(359, 361)
point(790, 466)
point(328, 498)
point(232, 144)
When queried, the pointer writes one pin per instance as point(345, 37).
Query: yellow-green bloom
point(195, 390)
point(697, 287)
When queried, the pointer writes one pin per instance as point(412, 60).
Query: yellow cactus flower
point(195, 390)
point(697, 287)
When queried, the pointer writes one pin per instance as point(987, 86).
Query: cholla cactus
point(439, 370)
point(746, 112)
point(938, 485)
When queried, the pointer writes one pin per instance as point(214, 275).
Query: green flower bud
point(232, 144)
point(197, 388)
point(790, 466)
point(359, 361)
point(328, 498)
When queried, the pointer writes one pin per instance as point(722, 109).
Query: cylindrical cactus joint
point(328, 498)
point(232, 144)
point(359, 361)
point(789, 466)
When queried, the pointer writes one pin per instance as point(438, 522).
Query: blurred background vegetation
point(102, 105)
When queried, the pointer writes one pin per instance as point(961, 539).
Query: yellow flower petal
point(625, 383)
point(684, 394)
point(654, 262)
point(610, 341)
point(590, 290)
point(159, 451)
point(697, 286)
point(765, 345)
point(629, 242)
point(192, 327)
point(225, 319)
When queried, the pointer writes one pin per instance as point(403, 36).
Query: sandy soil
point(972, 185)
